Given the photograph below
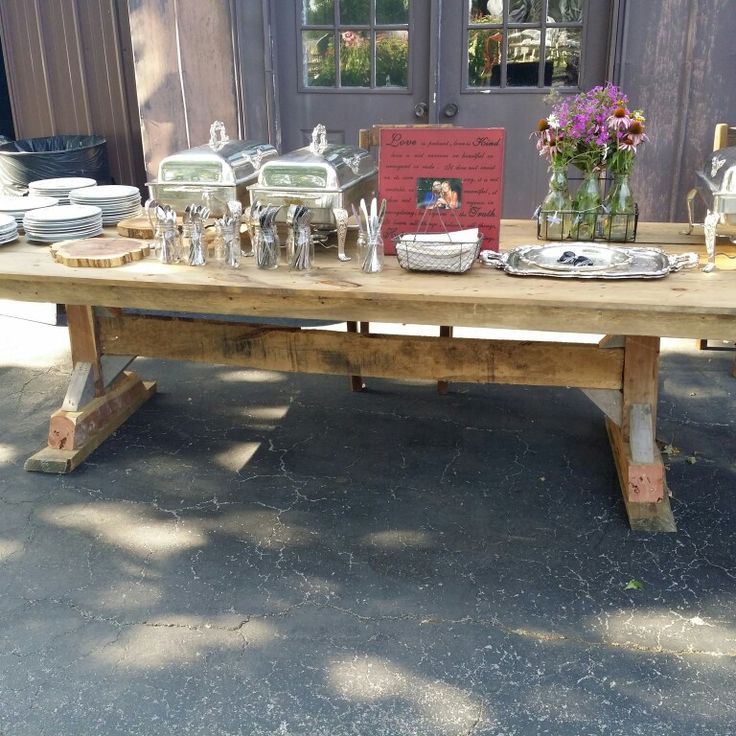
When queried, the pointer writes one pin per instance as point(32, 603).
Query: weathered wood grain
point(386, 356)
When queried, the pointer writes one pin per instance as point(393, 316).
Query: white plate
point(62, 184)
point(63, 212)
point(16, 205)
point(106, 192)
point(51, 238)
point(6, 221)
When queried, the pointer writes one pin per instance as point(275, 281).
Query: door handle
point(421, 109)
point(450, 110)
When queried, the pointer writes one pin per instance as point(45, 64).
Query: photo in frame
point(438, 179)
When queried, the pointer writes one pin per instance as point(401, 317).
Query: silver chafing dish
point(716, 187)
point(325, 177)
point(212, 174)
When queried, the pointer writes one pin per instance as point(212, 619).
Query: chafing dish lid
point(221, 161)
point(321, 165)
point(715, 176)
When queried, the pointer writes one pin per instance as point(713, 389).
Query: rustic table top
point(684, 304)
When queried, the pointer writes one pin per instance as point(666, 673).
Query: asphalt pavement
point(259, 553)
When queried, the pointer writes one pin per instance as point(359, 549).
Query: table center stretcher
point(620, 374)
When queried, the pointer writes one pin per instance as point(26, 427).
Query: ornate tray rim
point(660, 264)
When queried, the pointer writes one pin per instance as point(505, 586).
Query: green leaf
point(634, 585)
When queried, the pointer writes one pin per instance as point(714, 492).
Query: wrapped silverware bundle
point(227, 242)
point(192, 230)
point(265, 237)
point(370, 241)
point(300, 246)
point(165, 235)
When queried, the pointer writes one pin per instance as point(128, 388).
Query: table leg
point(443, 386)
point(101, 396)
point(639, 464)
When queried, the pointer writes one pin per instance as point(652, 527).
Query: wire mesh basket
point(449, 251)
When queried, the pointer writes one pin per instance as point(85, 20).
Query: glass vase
point(587, 206)
point(371, 253)
point(554, 213)
point(619, 223)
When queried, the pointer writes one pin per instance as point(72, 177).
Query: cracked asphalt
point(263, 554)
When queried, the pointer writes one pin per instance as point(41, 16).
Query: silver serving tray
point(609, 262)
point(602, 257)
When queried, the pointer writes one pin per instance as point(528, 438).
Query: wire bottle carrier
point(449, 251)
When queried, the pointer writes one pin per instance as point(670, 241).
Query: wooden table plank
point(685, 304)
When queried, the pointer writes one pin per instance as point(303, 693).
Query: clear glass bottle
point(555, 214)
point(587, 207)
point(619, 223)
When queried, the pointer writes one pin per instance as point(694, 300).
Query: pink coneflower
point(627, 144)
point(636, 133)
point(620, 119)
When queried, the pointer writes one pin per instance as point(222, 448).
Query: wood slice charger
point(98, 253)
point(136, 227)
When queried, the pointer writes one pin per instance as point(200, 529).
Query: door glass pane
point(485, 11)
point(392, 58)
point(319, 12)
point(355, 11)
point(319, 58)
point(355, 59)
point(563, 54)
point(484, 58)
point(566, 11)
point(389, 12)
point(525, 11)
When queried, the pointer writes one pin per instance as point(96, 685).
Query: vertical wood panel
point(66, 74)
point(677, 63)
point(185, 73)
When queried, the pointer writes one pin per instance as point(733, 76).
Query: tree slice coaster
point(136, 227)
point(99, 253)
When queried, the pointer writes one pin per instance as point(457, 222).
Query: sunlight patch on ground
point(251, 376)
point(182, 640)
point(127, 528)
point(438, 705)
point(265, 528)
point(399, 539)
point(668, 631)
point(238, 456)
point(7, 453)
point(9, 548)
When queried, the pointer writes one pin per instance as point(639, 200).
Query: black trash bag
point(30, 159)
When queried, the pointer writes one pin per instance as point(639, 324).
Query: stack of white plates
point(8, 229)
point(18, 206)
point(59, 188)
point(117, 202)
point(63, 222)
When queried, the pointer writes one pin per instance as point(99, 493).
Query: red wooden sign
point(437, 179)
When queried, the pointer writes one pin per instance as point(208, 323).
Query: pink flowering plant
point(593, 130)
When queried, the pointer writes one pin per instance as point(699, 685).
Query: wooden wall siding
point(676, 61)
point(254, 60)
point(67, 74)
point(185, 73)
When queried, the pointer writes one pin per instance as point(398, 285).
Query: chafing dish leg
point(709, 227)
point(690, 220)
point(341, 220)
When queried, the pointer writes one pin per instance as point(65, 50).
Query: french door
point(351, 64)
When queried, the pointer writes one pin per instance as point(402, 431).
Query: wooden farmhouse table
point(620, 373)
